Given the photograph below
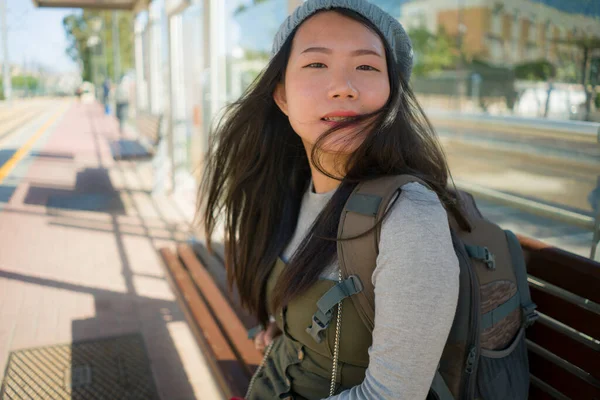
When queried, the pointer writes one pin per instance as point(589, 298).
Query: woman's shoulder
point(417, 213)
point(416, 232)
point(420, 200)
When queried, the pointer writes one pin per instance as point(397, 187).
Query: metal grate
point(115, 368)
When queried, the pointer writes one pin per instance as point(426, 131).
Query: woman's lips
point(340, 114)
point(336, 123)
point(339, 117)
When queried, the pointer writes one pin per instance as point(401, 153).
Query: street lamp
point(91, 43)
point(96, 25)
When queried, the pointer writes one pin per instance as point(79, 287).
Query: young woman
point(334, 108)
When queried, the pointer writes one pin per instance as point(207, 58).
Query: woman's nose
point(342, 88)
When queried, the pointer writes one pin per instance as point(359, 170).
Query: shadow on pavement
point(116, 313)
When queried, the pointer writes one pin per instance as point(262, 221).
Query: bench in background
point(148, 127)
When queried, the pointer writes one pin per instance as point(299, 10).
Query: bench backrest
point(564, 344)
point(149, 126)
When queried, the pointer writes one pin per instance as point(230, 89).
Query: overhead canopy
point(133, 5)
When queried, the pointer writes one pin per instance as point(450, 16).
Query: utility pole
point(116, 47)
point(460, 81)
point(5, 62)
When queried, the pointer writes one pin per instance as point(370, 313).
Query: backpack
point(485, 355)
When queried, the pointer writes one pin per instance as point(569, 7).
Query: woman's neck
point(321, 182)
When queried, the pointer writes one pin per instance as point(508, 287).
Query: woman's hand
point(264, 338)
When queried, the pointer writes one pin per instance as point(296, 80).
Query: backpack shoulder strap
point(357, 256)
point(520, 269)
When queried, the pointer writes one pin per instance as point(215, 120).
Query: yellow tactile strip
point(112, 368)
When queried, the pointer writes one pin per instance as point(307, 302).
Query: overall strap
point(364, 208)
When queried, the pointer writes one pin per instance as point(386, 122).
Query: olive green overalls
point(298, 367)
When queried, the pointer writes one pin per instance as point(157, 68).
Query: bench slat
point(580, 319)
point(229, 321)
point(566, 348)
point(563, 294)
point(559, 378)
point(564, 364)
point(578, 275)
point(571, 333)
point(540, 390)
point(149, 126)
point(215, 266)
point(233, 378)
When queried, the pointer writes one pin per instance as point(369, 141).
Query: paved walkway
point(79, 235)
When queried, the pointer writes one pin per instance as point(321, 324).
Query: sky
point(36, 35)
point(587, 7)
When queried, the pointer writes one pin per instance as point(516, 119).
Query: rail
point(566, 130)
point(536, 208)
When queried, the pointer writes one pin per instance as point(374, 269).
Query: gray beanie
point(389, 27)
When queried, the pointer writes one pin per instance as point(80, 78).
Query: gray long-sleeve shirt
point(416, 291)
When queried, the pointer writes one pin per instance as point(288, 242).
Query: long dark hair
point(257, 172)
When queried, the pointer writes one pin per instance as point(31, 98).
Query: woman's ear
point(280, 97)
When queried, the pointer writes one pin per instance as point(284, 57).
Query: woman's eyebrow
point(325, 50)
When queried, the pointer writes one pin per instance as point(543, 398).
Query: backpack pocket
point(504, 374)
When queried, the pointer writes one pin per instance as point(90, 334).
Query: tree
point(588, 46)
point(589, 72)
point(433, 52)
point(26, 83)
point(540, 70)
point(79, 29)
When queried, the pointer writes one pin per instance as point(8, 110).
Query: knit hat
point(388, 26)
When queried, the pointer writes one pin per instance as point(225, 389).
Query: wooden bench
point(220, 327)
point(148, 125)
point(564, 345)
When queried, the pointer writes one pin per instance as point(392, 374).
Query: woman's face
point(337, 69)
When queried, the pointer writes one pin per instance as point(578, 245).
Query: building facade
point(505, 32)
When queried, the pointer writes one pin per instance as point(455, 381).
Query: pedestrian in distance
point(106, 88)
point(122, 101)
point(336, 203)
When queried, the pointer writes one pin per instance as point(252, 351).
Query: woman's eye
point(316, 65)
point(367, 68)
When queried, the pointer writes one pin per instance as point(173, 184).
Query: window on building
point(496, 27)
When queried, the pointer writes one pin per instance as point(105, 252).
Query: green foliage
point(25, 82)
point(79, 28)
point(240, 9)
point(594, 75)
point(243, 7)
point(540, 70)
point(21, 82)
point(433, 52)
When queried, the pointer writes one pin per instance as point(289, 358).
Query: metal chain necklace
point(336, 347)
point(336, 352)
point(259, 369)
